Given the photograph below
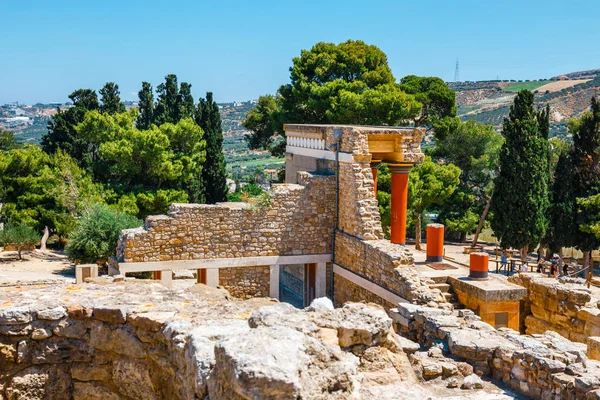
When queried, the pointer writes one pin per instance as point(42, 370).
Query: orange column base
point(435, 242)
point(479, 266)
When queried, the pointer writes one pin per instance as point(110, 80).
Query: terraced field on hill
point(489, 101)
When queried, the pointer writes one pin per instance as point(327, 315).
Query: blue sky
point(242, 49)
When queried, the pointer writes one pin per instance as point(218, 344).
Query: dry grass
point(559, 85)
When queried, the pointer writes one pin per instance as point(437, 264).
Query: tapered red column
point(399, 202)
point(374, 170)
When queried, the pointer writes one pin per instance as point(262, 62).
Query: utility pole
point(456, 75)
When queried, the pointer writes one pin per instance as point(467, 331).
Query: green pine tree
point(213, 178)
point(520, 198)
point(146, 107)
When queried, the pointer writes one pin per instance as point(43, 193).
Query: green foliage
point(21, 236)
point(146, 107)
point(214, 177)
point(438, 100)
point(168, 156)
point(562, 225)
point(430, 184)
point(245, 193)
point(475, 149)
point(44, 190)
point(520, 198)
point(590, 207)
point(259, 121)
point(8, 140)
point(262, 201)
point(348, 83)
point(586, 161)
point(111, 100)
point(61, 129)
point(97, 233)
point(153, 203)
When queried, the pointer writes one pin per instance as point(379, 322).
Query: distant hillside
point(489, 101)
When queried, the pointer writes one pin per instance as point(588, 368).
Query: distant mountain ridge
point(568, 96)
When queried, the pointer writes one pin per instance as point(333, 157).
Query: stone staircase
point(440, 282)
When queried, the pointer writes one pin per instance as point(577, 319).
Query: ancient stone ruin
point(397, 332)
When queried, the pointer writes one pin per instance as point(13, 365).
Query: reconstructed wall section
point(245, 283)
point(566, 307)
point(389, 266)
point(298, 220)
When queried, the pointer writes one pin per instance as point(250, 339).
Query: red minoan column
point(435, 242)
point(399, 202)
point(479, 266)
point(374, 169)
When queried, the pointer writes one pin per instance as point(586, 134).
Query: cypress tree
point(146, 107)
point(520, 198)
point(213, 178)
point(586, 161)
point(562, 212)
point(168, 100)
point(185, 106)
point(111, 99)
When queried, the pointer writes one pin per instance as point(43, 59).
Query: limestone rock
point(41, 334)
point(52, 314)
point(70, 328)
point(245, 368)
point(150, 321)
point(87, 372)
point(15, 316)
point(320, 304)
point(39, 382)
point(133, 380)
point(472, 382)
point(92, 391)
point(473, 345)
point(358, 324)
point(113, 315)
point(78, 312)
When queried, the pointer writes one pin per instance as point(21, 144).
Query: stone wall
point(359, 212)
point(347, 291)
point(540, 366)
point(299, 220)
point(388, 265)
point(142, 341)
point(566, 307)
point(246, 282)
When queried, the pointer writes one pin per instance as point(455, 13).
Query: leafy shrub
point(21, 236)
point(96, 234)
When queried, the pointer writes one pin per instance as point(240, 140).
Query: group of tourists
point(550, 267)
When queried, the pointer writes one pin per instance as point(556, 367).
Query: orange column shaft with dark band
point(435, 242)
point(479, 265)
point(398, 207)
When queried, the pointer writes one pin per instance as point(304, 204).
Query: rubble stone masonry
point(298, 220)
point(566, 307)
point(247, 282)
point(388, 265)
